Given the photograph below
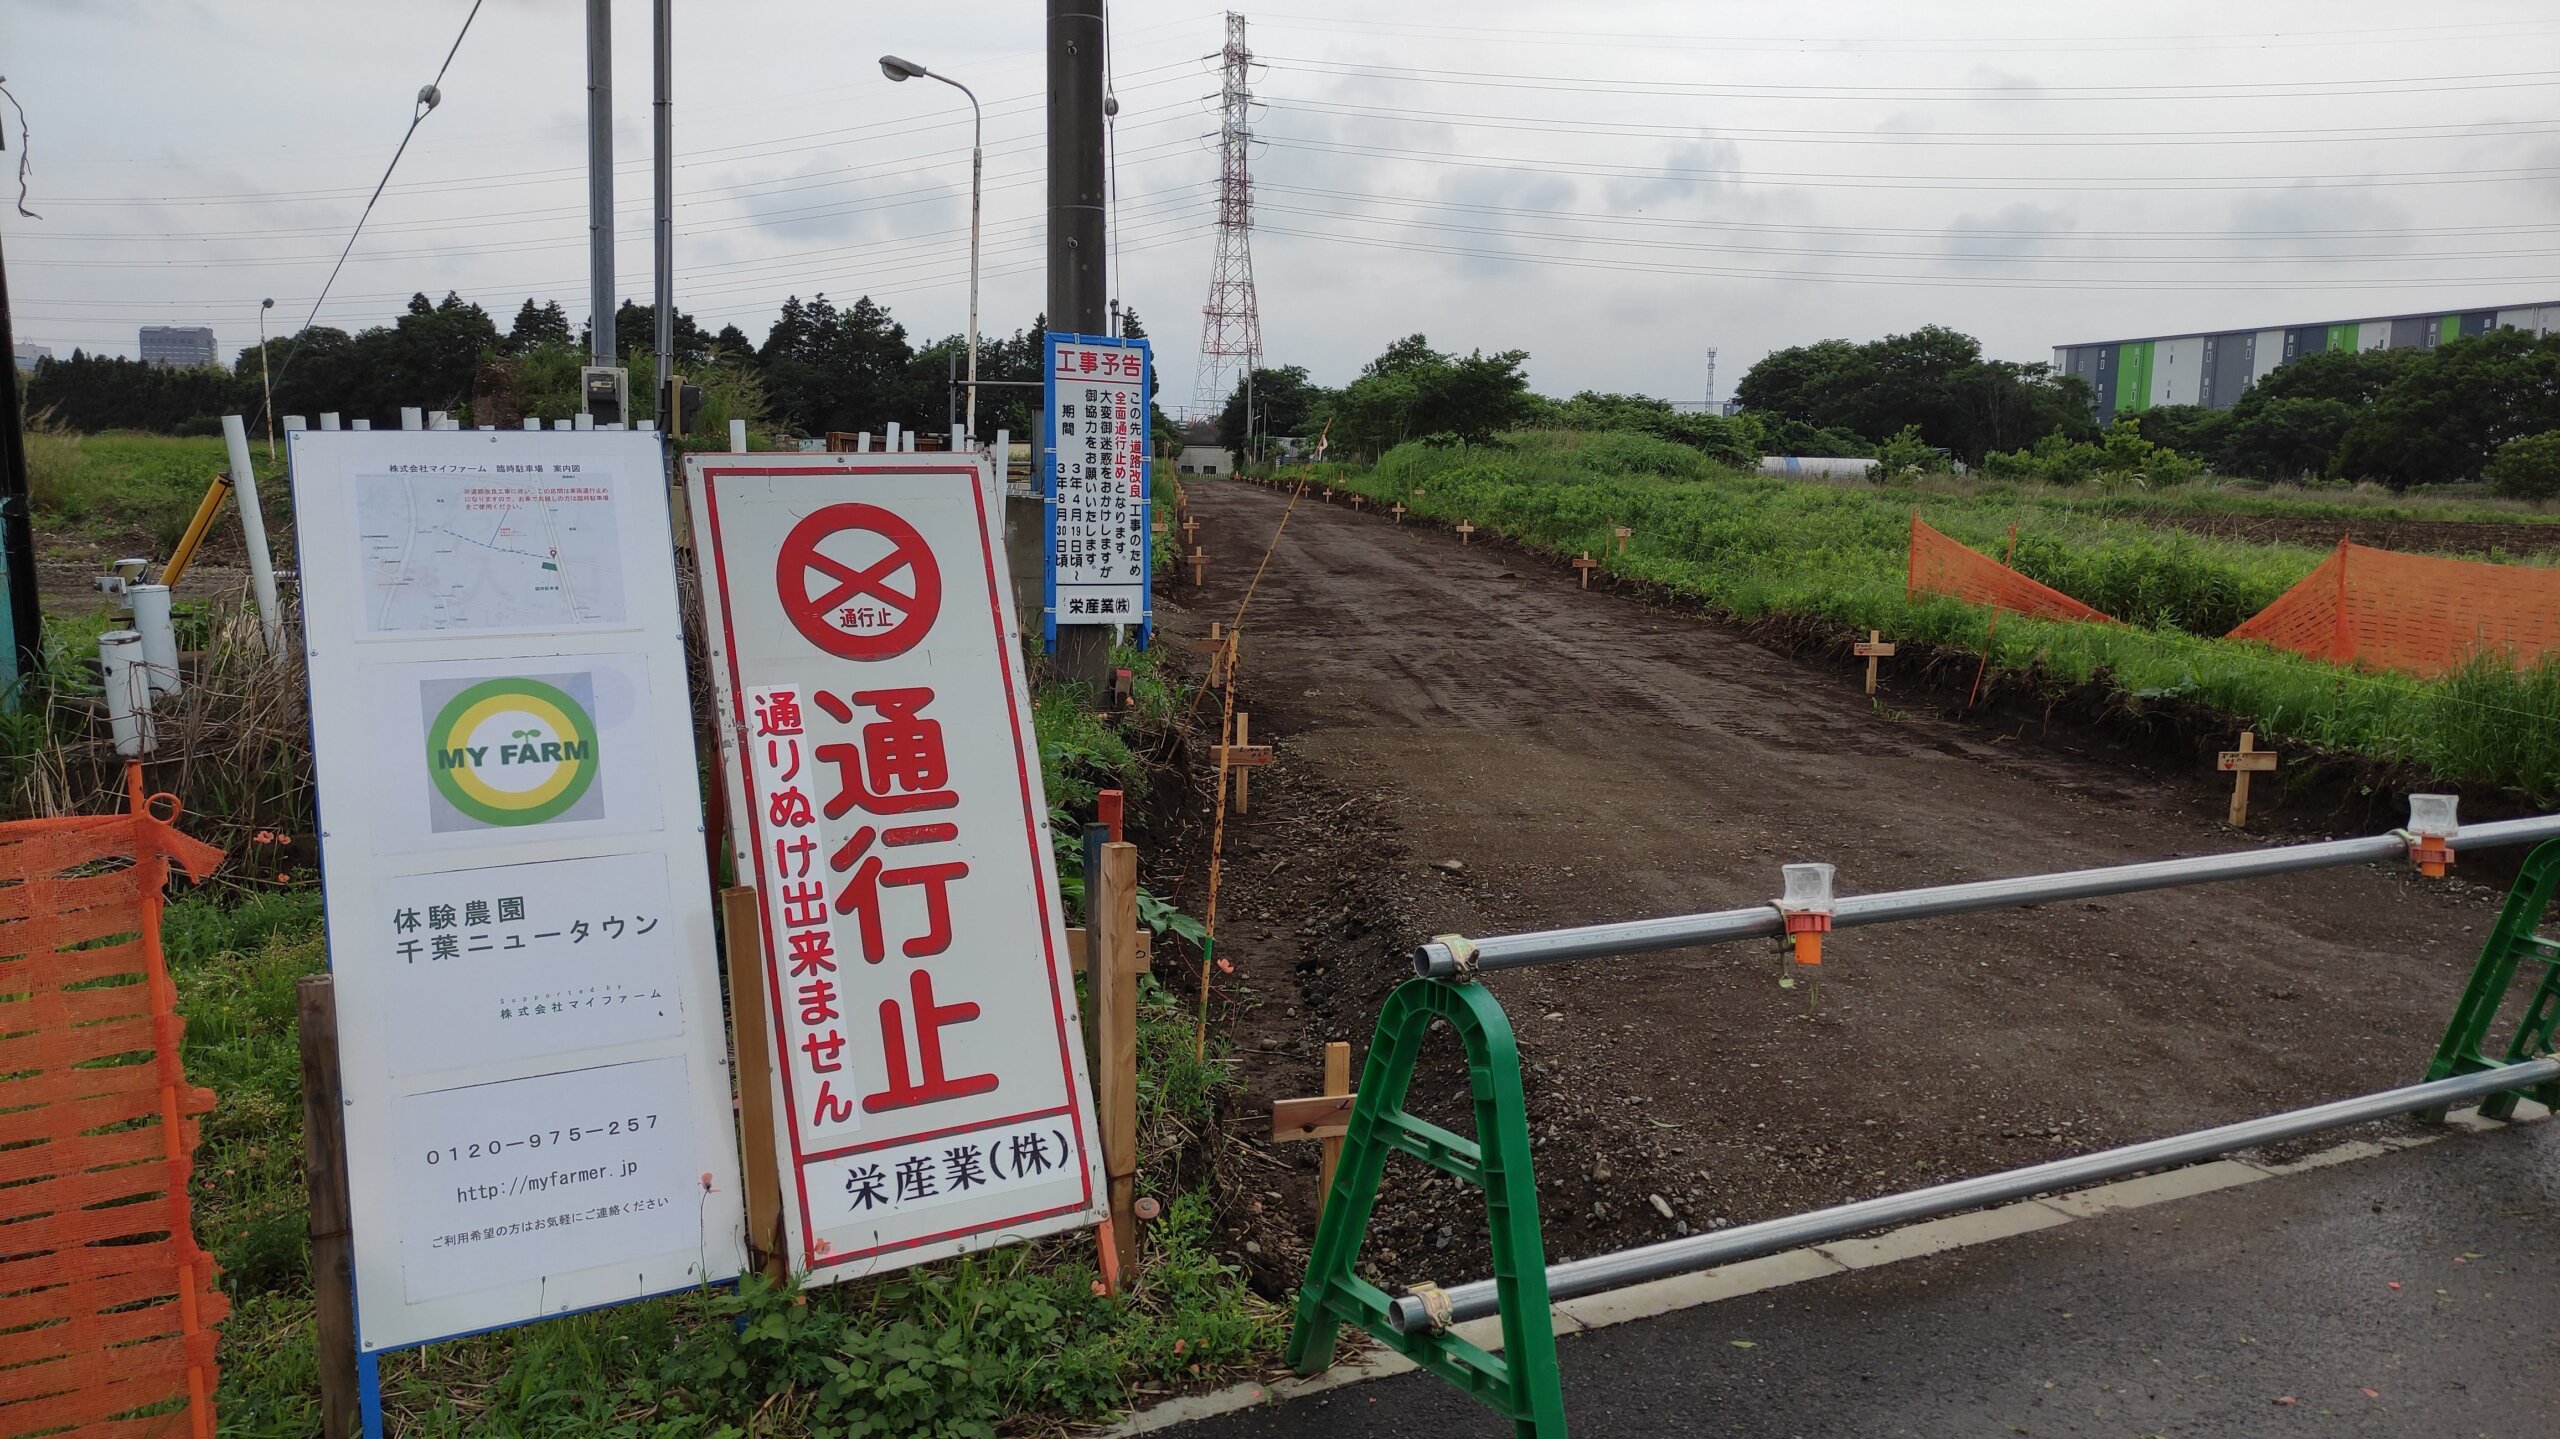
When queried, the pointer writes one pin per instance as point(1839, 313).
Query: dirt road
point(1582, 757)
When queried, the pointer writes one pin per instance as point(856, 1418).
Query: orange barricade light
point(1806, 908)
point(2432, 827)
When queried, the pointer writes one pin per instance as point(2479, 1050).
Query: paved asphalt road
point(2261, 1310)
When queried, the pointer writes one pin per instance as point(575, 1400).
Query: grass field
point(1752, 547)
point(97, 497)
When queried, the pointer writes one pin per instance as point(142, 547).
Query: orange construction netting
point(2417, 614)
point(1941, 566)
point(107, 1304)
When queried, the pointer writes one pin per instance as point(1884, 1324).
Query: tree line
point(821, 366)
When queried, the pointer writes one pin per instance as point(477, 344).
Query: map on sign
point(489, 550)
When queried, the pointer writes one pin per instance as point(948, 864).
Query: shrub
point(2527, 468)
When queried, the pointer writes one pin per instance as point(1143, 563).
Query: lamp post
point(897, 69)
point(266, 382)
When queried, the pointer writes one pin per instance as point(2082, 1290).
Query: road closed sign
point(884, 791)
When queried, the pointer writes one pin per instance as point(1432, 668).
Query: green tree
point(537, 325)
point(2527, 468)
point(1284, 400)
point(1933, 379)
point(2439, 420)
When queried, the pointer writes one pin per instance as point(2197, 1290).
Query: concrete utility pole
point(1079, 291)
point(663, 151)
point(600, 297)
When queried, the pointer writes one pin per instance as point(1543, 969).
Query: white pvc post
point(364, 424)
point(862, 445)
point(585, 420)
point(435, 419)
point(295, 422)
point(412, 418)
point(737, 437)
point(152, 621)
point(893, 437)
point(959, 439)
point(999, 466)
point(328, 419)
point(128, 693)
point(253, 528)
point(565, 425)
point(533, 422)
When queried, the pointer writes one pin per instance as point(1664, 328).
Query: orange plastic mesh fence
point(107, 1305)
point(2417, 614)
point(1941, 566)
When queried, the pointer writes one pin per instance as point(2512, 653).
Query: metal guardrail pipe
point(1437, 959)
point(1409, 1313)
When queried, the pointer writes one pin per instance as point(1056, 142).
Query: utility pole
point(1079, 292)
point(670, 402)
point(600, 296)
point(25, 624)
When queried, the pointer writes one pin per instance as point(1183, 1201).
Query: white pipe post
point(533, 422)
point(128, 693)
point(295, 422)
point(862, 445)
point(253, 529)
point(893, 437)
point(585, 420)
point(153, 621)
point(737, 437)
point(328, 419)
point(364, 424)
point(412, 418)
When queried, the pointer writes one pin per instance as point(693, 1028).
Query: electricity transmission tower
point(1231, 324)
point(1711, 379)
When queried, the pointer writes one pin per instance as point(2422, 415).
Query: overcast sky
point(1613, 199)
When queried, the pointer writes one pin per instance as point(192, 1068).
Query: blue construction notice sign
point(1094, 446)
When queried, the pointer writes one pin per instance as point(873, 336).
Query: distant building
point(177, 347)
point(2130, 376)
point(27, 354)
point(1201, 453)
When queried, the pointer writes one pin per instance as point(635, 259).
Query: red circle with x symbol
point(852, 611)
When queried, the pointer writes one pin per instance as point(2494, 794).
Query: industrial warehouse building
point(2129, 376)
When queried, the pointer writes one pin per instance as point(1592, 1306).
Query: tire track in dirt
point(1583, 757)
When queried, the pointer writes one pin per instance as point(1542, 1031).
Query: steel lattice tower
point(1231, 323)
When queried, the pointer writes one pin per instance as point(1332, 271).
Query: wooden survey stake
point(1324, 1117)
point(1624, 534)
point(1874, 647)
point(1191, 532)
point(1215, 647)
point(1466, 532)
point(1199, 562)
point(1399, 512)
point(1243, 757)
point(1586, 564)
point(2240, 763)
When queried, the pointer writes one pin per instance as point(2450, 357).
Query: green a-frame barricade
point(2465, 1048)
point(1522, 1382)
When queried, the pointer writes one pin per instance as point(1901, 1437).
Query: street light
point(266, 383)
point(897, 69)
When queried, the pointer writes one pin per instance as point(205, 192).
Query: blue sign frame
point(1049, 482)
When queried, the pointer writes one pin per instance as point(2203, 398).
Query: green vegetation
point(137, 489)
point(2527, 468)
point(1754, 547)
point(1013, 1338)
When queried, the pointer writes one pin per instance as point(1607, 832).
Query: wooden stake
point(1241, 757)
point(1215, 647)
point(324, 1175)
point(1586, 564)
point(1199, 566)
point(750, 1035)
point(1624, 534)
point(1466, 532)
point(1190, 532)
point(1325, 1117)
point(1337, 1080)
point(1874, 647)
point(1399, 512)
point(2240, 764)
point(1113, 909)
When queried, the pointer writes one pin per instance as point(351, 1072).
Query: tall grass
point(1754, 546)
point(130, 490)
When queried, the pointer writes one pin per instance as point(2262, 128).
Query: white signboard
point(1098, 443)
point(875, 732)
point(529, 1021)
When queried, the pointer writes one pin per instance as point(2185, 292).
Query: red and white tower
point(1231, 324)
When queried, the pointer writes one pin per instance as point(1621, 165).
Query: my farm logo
point(513, 751)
